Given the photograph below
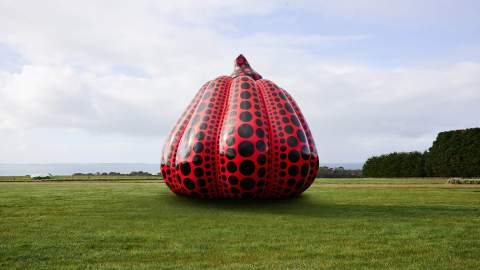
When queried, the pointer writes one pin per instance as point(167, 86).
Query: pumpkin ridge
point(191, 106)
point(291, 153)
point(270, 108)
point(268, 184)
point(216, 147)
point(299, 115)
point(314, 161)
point(174, 140)
point(198, 178)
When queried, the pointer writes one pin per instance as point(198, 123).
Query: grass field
point(336, 224)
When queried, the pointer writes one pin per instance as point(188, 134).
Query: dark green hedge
point(455, 153)
point(411, 164)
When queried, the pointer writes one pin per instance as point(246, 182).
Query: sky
point(104, 81)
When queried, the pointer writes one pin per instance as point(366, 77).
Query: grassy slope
point(142, 225)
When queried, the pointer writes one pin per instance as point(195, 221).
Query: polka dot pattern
point(167, 160)
point(290, 155)
point(244, 135)
point(308, 137)
point(200, 180)
point(241, 137)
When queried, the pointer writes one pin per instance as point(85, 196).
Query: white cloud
point(81, 81)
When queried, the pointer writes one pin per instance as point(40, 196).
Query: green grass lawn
point(141, 225)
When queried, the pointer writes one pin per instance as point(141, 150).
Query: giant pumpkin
point(241, 137)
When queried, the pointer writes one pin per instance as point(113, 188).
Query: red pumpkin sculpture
point(241, 137)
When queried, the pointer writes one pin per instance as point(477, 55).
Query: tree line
point(454, 153)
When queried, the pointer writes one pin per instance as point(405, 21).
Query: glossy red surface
point(241, 137)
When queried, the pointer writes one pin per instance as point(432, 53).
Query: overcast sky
point(104, 81)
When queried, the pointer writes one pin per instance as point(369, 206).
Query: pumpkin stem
point(242, 68)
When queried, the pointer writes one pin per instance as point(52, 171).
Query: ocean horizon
point(19, 169)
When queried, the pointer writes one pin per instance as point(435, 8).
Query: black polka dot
point(189, 183)
point(200, 135)
point(288, 107)
point(234, 190)
point(245, 105)
point(245, 116)
point(185, 168)
point(232, 180)
point(305, 152)
point(291, 182)
point(259, 122)
point(201, 182)
point(201, 107)
point(260, 133)
point(289, 129)
point(230, 153)
point(230, 141)
point(231, 167)
point(293, 170)
point(292, 141)
point(198, 147)
point(247, 183)
point(293, 156)
point(304, 170)
point(285, 120)
point(247, 167)
point(198, 172)
point(301, 135)
point(295, 120)
point(283, 165)
point(261, 172)
point(245, 149)
point(245, 131)
point(261, 146)
point(261, 159)
point(245, 85)
point(245, 95)
point(197, 160)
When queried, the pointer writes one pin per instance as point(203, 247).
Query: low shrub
point(464, 181)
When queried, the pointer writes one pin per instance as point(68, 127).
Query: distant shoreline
point(71, 168)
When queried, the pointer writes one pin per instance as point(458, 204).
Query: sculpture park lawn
point(336, 224)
